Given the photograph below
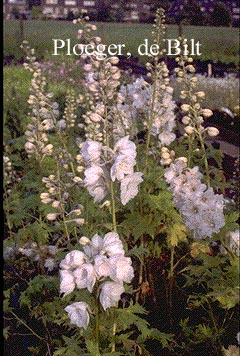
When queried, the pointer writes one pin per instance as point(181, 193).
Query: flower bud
point(29, 147)
point(185, 107)
point(84, 241)
point(212, 131)
point(200, 94)
point(114, 60)
point(95, 117)
point(165, 155)
point(87, 67)
point(44, 195)
point(207, 112)
point(186, 120)
point(55, 204)
point(52, 216)
point(189, 130)
point(77, 179)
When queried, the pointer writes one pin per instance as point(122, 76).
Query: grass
point(218, 43)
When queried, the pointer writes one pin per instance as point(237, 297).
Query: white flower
point(52, 249)
point(67, 282)
point(78, 314)
point(73, 260)
point(96, 182)
point(112, 244)
point(93, 175)
point(122, 166)
point(98, 192)
point(125, 147)
point(166, 138)
point(122, 270)
point(102, 266)
point(85, 276)
point(49, 264)
point(94, 247)
point(61, 124)
point(110, 294)
point(129, 186)
point(91, 151)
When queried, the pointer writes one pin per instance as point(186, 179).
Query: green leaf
point(92, 347)
point(139, 252)
point(6, 332)
point(176, 233)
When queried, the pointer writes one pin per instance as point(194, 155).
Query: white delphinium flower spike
point(200, 207)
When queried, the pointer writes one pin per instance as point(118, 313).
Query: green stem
point(171, 276)
point(205, 159)
point(97, 323)
point(114, 329)
point(218, 341)
point(28, 327)
point(140, 277)
point(7, 210)
point(114, 222)
point(190, 142)
point(61, 205)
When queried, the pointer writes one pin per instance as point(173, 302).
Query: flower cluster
point(9, 174)
point(69, 116)
point(104, 164)
point(167, 156)
point(123, 169)
point(96, 176)
point(221, 93)
point(202, 210)
point(43, 253)
point(43, 114)
point(102, 264)
point(58, 196)
point(141, 103)
point(193, 112)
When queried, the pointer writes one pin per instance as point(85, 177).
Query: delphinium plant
point(116, 193)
